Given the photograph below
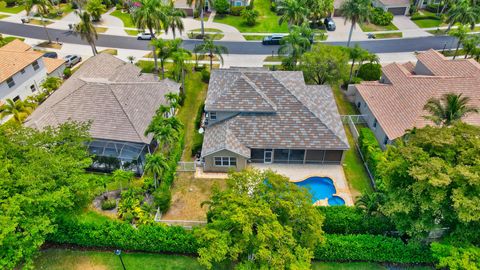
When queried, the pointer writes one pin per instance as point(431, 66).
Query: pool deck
point(300, 172)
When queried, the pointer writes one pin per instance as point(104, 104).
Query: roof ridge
point(261, 93)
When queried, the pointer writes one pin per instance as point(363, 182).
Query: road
point(234, 47)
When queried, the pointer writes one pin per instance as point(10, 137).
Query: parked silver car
point(72, 60)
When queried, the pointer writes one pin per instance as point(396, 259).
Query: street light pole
point(119, 253)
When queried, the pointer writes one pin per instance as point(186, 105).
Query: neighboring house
point(22, 70)
point(395, 103)
point(396, 7)
point(120, 103)
point(239, 3)
point(261, 116)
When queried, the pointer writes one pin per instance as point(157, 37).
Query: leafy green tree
point(294, 46)
point(18, 109)
point(121, 176)
point(86, 30)
point(461, 33)
point(430, 181)
point(173, 19)
point(43, 9)
point(51, 84)
point(356, 53)
point(150, 15)
point(42, 177)
point(355, 11)
point(200, 6)
point(456, 258)
point(165, 130)
point(470, 45)
point(293, 12)
point(261, 221)
point(324, 64)
point(221, 6)
point(155, 164)
point(96, 8)
point(463, 12)
point(164, 50)
point(211, 49)
point(449, 109)
point(250, 16)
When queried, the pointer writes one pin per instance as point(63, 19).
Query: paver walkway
point(409, 28)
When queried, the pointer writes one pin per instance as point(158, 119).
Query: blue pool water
point(321, 188)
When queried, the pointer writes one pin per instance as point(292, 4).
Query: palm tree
point(155, 164)
point(18, 109)
point(355, 11)
point(355, 53)
point(470, 45)
point(369, 203)
point(86, 30)
point(200, 6)
point(174, 101)
point(464, 13)
point(448, 109)
point(131, 58)
point(294, 12)
point(461, 34)
point(51, 84)
point(211, 49)
point(294, 45)
point(96, 8)
point(164, 49)
point(150, 15)
point(180, 60)
point(43, 8)
point(174, 19)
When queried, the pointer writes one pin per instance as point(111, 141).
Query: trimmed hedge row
point(350, 220)
point(370, 149)
point(161, 238)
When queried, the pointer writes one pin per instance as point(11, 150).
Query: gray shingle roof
point(118, 99)
point(305, 116)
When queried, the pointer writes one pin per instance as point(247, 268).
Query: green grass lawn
point(389, 35)
point(253, 37)
point(429, 21)
point(6, 40)
point(370, 27)
point(66, 9)
point(125, 17)
point(267, 22)
point(13, 10)
point(2, 16)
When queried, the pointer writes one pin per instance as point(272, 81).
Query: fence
point(187, 224)
point(186, 166)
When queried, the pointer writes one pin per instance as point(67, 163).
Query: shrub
point(236, 11)
point(433, 8)
point(381, 17)
point(67, 72)
point(109, 204)
point(273, 6)
point(205, 75)
point(370, 149)
point(3, 4)
point(418, 16)
point(350, 220)
point(250, 16)
point(10, 3)
point(221, 6)
point(118, 6)
point(370, 72)
point(372, 248)
point(162, 198)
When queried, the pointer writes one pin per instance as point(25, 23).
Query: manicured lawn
point(370, 27)
point(101, 29)
point(253, 37)
point(214, 30)
point(110, 51)
point(13, 10)
point(355, 172)
point(40, 22)
point(441, 32)
point(2, 16)
point(197, 35)
point(275, 58)
point(430, 20)
point(389, 35)
point(267, 22)
point(131, 32)
point(66, 9)
point(125, 17)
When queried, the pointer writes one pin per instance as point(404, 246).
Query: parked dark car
point(330, 24)
point(50, 55)
point(272, 40)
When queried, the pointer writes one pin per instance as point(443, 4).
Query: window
point(375, 123)
point(225, 161)
point(10, 82)
point(213, 116)
point(33, 88)
point(35, 65)
point(22, 71)
point(238, 3)
point(359, 104)
point(385, 141)
point(16, 98)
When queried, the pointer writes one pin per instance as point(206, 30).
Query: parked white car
point(144, 36)
point(71, 60)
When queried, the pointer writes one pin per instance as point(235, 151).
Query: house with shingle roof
point(395, 103)
point(22, 70)
point(119, 102)
point(261, 116)
point(396, 7)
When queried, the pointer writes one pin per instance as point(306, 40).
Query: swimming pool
point(321, 188)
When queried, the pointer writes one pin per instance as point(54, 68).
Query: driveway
point(343, 29)
point(409, 28)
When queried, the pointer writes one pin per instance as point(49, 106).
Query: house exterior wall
point(220, 116)
point(23, 82)
point(209, 165)
point(57, 72)
point(421, 69)
point(377, 3)
point(239, 3)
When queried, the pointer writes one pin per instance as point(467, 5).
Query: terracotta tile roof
point(304, 116)
point(398, 102)
point(14, 57)
point(395, 2)
point(52, 64)
point(119, 100)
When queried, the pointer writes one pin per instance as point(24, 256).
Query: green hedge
point(350, 220)
point(173, 159)
point(370, 149)
point(380, 17)
point(424, 17)
point(370, 72)
point(372, 248)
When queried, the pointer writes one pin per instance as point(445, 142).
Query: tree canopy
point(260, 221)
point(41, 177)
point(325, 64)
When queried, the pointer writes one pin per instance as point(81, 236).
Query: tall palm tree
point(43, 8)
point(164, 49)
point(150, 15)
point(180, 60)
point(463, 12)
point(448, 109)
point(355, 53)
point(294, 46)
point(174, 101)
point(211, 49)
point(470, 45)
point(86, 30)
point(18, 109)
point(369, 203)
point(200, 6)
point(355, 11)
point(155, 164)
point(294, 12)
point(174, 19)
point(461, 34)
